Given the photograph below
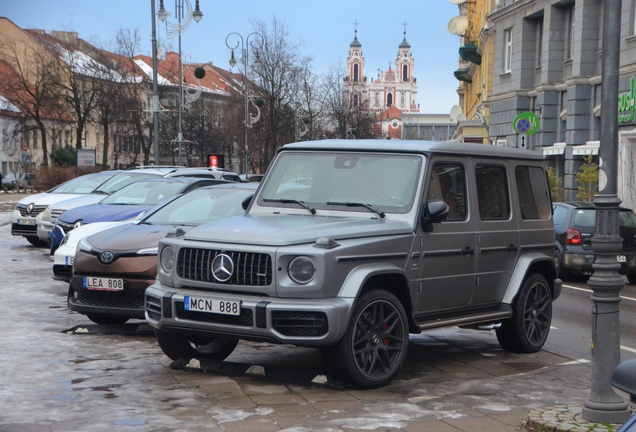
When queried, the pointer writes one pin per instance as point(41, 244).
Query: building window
point(569, 28)
point(355, 72)
point(508, 50)
point(389, 100)
point(355, 100)
point(539, 42)
point(405, 73)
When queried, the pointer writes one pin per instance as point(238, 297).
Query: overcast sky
point(325, 27)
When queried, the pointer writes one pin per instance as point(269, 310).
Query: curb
point(565, 419)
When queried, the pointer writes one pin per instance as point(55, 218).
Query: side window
point(533, 192)
point(559, 215)
point(492, 192)
point(448, 184)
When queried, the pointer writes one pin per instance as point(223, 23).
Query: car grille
point(24, 230)
point(56, 214)
point(23, 212)
point(252, 269)
point(301, 324)
point(123, 299)
point(153, 307)
point(243, 320)
point(63, 271)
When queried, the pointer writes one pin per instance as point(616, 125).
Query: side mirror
point(435, 212)
point(246, 202)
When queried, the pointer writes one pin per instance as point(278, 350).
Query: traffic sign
point(526, 123)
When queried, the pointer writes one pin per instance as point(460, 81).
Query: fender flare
point(520, 271)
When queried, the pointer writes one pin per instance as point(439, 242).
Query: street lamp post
point(185, 16)
point(603, 405)
point(155, 91)
point(250, 96)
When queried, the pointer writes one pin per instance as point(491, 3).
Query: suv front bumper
point(308, 322)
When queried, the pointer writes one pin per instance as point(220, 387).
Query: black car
point(574, 227)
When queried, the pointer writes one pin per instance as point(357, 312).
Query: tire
point(528, 329)
point(632, 278)
point(179, 345)
point(106, 319)
point(375, 343)
point(36, 241)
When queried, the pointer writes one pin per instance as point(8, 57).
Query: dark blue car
point(130, 201)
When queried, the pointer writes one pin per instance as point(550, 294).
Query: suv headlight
point(301, 270)
point(166, 259)
point(46, 215)
point(78, 224)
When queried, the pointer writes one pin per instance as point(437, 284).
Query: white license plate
point(225, 307)
point(69, 260)
point(103, 284)
point(26, 222)
point(621, 258)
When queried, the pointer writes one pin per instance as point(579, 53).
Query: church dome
point(404, 43)
point(355, 43)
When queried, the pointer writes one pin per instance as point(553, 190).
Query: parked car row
point(36, 215)
point(345, 246)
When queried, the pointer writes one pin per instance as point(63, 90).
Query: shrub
point(64, 156)
point(556, 185)
point(587, 178)
point(48, 177)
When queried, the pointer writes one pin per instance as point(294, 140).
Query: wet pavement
point(59, 372)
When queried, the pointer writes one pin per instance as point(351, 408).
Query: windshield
point(386, 182)
point(145, 193)
point(200, 206)
point(123, 179)
point(83, 184)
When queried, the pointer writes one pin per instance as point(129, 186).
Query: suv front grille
point(123, 299)
point(251, 269)
point(302, 324)
point(55, 214)
point(244, 320)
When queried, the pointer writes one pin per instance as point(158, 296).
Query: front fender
point(521, 269)
point(359, 275)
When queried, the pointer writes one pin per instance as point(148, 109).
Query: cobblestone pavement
point(59, 372)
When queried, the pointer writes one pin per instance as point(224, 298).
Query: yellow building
point(475, 69)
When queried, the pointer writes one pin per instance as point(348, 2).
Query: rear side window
point(492, 192)
point(533, 192)
point(559, 215)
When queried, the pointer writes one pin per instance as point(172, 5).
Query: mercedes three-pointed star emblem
point(222, 267)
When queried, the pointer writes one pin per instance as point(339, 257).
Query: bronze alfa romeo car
point(113, 268)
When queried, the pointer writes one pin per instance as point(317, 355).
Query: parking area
point(60, 372)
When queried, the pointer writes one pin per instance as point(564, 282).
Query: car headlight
point(301, 270)
point(84, 245)
point(148, 251)
point(78, 224)
point(46, 214)
point(166, 259)
point(65, 239)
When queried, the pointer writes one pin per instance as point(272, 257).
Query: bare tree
point(279, 78)
point(31, 88)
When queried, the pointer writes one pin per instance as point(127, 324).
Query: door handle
point(468, 251)
point(511, 248)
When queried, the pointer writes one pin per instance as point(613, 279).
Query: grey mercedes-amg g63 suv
point(350, 245)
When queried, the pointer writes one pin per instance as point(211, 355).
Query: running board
point(471, 319)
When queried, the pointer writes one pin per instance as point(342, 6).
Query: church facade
point(390, 94)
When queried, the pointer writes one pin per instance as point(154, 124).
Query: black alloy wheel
point(528, 329)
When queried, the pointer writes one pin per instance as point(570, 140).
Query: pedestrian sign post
point(526, 123)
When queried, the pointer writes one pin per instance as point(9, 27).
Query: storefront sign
point(626, 103)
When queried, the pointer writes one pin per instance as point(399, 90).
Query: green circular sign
point(526, 123)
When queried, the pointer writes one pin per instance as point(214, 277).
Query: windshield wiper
point(292, 201)
point(101, 192)
point(357, 204)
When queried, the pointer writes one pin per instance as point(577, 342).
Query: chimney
point(66, 36)
point(172, 57)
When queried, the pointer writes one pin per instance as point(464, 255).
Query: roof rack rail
point(154, 167)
